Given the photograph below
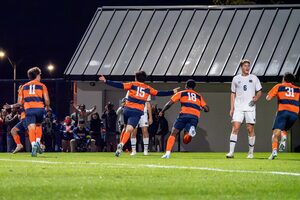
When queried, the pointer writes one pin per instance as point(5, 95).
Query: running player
point(134, 106)
point(35, 96)
point(145, 121)
point(191, 104)
point(288, 108)
point(245, 92)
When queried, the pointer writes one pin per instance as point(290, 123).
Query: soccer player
point(35, 96)
point(145, 121)
point(134, 105)
point(191, 105)
point(288, 108)
point(245, 92)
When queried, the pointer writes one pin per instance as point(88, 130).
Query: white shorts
point(143, 121)
point(249, 116)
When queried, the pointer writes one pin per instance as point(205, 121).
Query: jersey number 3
point(31, 89)
point(192, 96)
point(289, 92)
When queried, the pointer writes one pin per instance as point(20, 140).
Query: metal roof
point(176, 43)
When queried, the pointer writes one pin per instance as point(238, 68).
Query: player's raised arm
point(116, 84)
point(163, 93)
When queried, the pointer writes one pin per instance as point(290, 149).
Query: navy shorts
point(132, 116)
point(284, 120)
point(185, 122)
point(22, 126)
point(34, 115)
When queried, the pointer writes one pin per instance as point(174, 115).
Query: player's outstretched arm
point(16, 105)
point(166, 93)
point(167, 106)
point(111, 83)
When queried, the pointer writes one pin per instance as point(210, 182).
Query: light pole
point(14, 66)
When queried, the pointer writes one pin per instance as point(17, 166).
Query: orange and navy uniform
point(287, 95)
point(191, 102)
point(288, 105)
point(138, 93)
point(32, 95)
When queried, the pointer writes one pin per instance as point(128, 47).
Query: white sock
point(38, 140)
point(251, 144)
point(283, 139)
point(168, 152)
point(233, 140)
point(133, 144)
point(32, 144)
point(146, 143)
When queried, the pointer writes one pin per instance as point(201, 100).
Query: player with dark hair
point(288, 108)
point(191, 105)
point(34, 96)
point(135, 103)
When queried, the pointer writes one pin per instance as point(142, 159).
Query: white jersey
point(245, 88)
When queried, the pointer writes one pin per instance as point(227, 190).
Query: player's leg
point(15, 133)
point(133, 142)
point(145, 139)
point(32, 139)
point(250, 118)
point(237, 119)
point(276, 134)
point(39, 129)
point(282, 143)
point(190, 130)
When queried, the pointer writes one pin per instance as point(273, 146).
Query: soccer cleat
point(133, 153)
point(34, 151)
point(18, 148)
point(166, 156)
point(119, 150)
point(250, 156)
point(146, 153)
point(273, 155)
point(39, 148)
point(282, 146)
point(229, 155)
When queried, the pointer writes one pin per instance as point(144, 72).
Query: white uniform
point(245, 88)
point(144, 122)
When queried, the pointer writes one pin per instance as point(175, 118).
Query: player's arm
point(167, 106)
point(176, 97)
point(46, 98)
point(272, 93)
point(232, 99)
point(163, 93)
point(203, 105)
point(116, 84)
point(149, 108)
point(16, 105)
point(258, 89)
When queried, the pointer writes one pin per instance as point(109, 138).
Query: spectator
point(1, 130)
point(48, 125)
point(81, 139)
point(95, 131)
point(11, 120)
point(153, 128)
point(110, 122)
point(67, 134)
point(163, 130)
point(83, 113)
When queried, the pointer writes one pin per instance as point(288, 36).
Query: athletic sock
point(233, 140)
point(17, 139)
point(125, 138)
point(146, 144)
point(283, 136)
point(170, 143)
point(32, 137)
point(251, 144)
point(122, 134)
point(133, 144)
point(274, 146)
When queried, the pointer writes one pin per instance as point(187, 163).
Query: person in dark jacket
point(96, 126)
point(163, 130)
point(11, 120)
point(110, 123)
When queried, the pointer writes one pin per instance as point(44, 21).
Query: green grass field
point(184, 176)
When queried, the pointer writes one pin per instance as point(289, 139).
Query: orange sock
point(170, 143)
point(125, 137)
point(274, 145)
point(17, 139)
point(39, 133)
point(122, 135)
point(32, 137)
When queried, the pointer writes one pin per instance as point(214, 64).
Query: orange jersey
point(32, 94)
point(138, 94)
point(287, 95)
point(191, 102)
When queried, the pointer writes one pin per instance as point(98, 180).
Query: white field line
point(154, 166)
